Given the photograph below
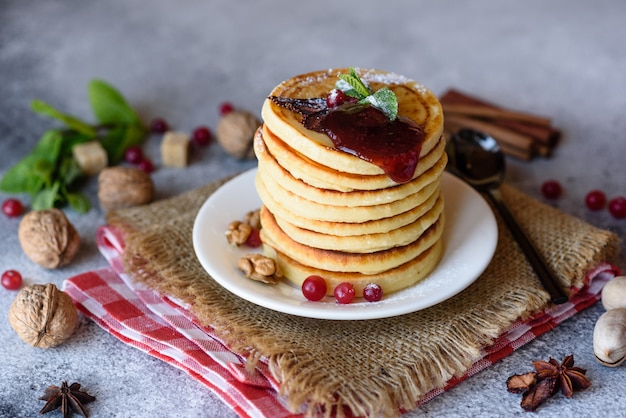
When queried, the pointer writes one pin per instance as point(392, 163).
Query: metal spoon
point(477, 159)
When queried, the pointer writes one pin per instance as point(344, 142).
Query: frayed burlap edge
point(376, 367)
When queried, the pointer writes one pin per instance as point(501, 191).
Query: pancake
point(340, 261)
point(300, 206)
point(390, 281)
point(365, 242)
point(414, 101)
point(320, 184)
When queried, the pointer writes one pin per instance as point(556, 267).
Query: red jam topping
point(366, 132)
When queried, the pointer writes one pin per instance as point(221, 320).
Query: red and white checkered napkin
point(164, 328)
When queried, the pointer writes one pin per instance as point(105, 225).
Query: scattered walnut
point(123, 187)
point(238, 233)
point(48, 238)
point(43, 316)
point(261, 268)
point(253, 218)
point(235, 133)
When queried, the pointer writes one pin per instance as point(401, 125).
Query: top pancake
point(414, 101)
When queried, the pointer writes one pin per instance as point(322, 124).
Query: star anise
point(68, 398)
point(549, 377)
point(567, 377)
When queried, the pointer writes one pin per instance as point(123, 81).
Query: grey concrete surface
point(565, 59)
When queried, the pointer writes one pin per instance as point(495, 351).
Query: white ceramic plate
point(470, 238)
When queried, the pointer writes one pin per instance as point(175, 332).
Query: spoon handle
point(546, 277)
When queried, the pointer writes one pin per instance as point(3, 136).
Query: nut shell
point(609, 338)
point(124, 187)
point(235, 133)
point(43, 316)
point(614, 293)
point(48, 238)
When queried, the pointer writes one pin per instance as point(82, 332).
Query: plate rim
point(323, 310)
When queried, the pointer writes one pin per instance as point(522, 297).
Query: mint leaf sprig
point(49, 173)
point(383, 99)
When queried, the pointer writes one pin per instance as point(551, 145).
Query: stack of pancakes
point(330, 213)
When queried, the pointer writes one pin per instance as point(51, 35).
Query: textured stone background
point(179, 60)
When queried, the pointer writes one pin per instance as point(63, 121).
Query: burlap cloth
point(373, 367)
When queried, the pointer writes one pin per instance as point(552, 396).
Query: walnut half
point(260, 268)
point(238, 233)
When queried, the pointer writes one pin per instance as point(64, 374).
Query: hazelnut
point(124, 187)
point(235, 133)
point(43, 316)
point(48, 238)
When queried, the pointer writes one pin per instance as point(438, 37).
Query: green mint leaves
point(49, 172)
point(383, 99)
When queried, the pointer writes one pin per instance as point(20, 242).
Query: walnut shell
point(235, 133)
point(48, 238)
point(124, 187)
point(43, 316)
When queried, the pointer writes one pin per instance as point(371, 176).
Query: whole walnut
point(235, 133)
point(48, 238)
point(43, 316)
point(124, 187)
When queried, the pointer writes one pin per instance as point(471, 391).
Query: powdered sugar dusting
point(374, 76)
point(367, 75)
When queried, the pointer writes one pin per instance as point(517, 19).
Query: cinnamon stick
point(506, 138)
point(451, 126)
point(481, 111)
point(546, 135)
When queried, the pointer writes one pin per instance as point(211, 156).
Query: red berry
point(254, 239)
point(146, 165)
point(617, 207)
point(344, 293)
point(226, 108)
point(159, 125)
point(12, 208)
point(372, 292)
point(336, 98)
point(314, 288)
point(133, 154)
point(595, 200)
point(551, 189)
point(202, 136)
point(11, 280)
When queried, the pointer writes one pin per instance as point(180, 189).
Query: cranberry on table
point(159, 125)
point(226, 108)
point(551, 189)
point(372, 292)
point(314, 288)
point(595, 200)
point(202, 136)
point(11, 280)
point(146, 165)
point(344, 293)
point(12, 208)
point(617, 207)
point(133, 154)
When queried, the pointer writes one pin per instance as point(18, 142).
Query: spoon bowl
point(477, 159)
